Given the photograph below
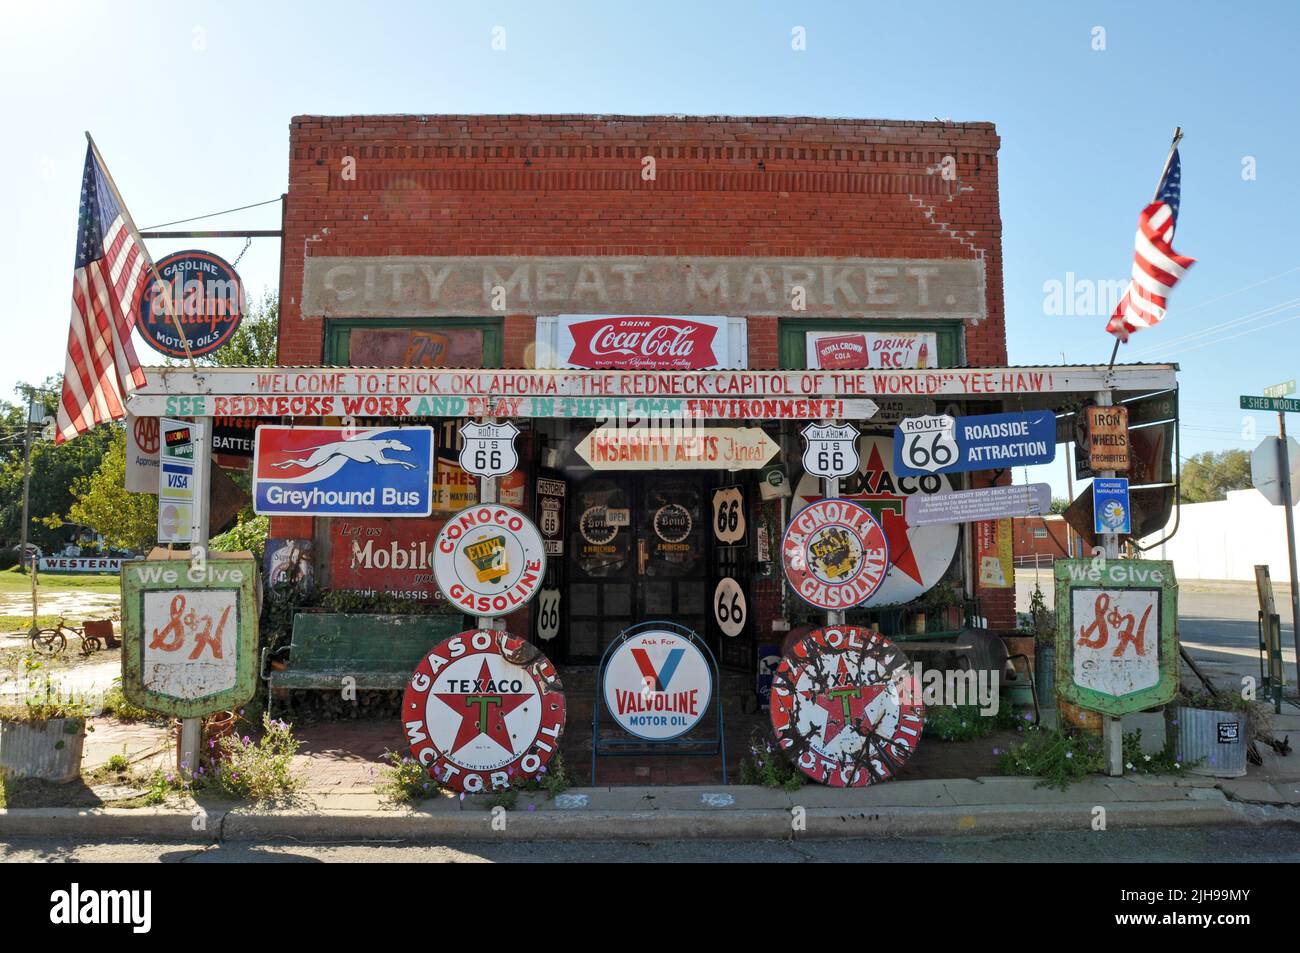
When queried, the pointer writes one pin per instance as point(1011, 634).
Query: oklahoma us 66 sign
point(489, 560)
point(835, 554)
point(845, 707)
point(483, 710)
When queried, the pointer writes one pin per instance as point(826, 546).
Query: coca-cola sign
point(639, 342)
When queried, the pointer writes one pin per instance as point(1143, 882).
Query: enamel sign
point(690, 448)
point(835, 554)
point(206, 295)
point(488, 450)
point(729, 608)
point(641, 342)
point(657, 684)
point(489, 560)
point(548, 614)
point(484, 711)
point(340, 471)
point(844, 707)
point(729, 515)
point(830, 450)
point(944, 444)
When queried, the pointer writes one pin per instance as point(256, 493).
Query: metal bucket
point(1045, 673)
point(1217, 739)
point(49, 750)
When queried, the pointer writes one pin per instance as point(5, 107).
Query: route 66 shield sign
point(929, 443)
point(489, 449)
point(830, 450)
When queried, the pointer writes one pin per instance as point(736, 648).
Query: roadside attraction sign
point(484, 711)
point(835, 554)
point(844, 707)
point(189, 634)
point(1116, 637)
point(489, 560)
point(944, 444)
point(689, 448)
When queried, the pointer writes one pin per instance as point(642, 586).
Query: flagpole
point(126, 219)
point(1164, 170)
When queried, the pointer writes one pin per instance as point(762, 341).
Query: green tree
point(1209, 476)
point(102, 503)
point(255, 341)
point(1059, 505)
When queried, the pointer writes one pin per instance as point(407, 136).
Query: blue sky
point(195, 119)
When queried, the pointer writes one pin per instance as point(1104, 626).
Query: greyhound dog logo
point(328, 458)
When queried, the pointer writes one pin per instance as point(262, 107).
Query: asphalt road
point(1277, 842)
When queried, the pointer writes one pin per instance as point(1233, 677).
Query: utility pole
point(1284, 474)
point(27, 476)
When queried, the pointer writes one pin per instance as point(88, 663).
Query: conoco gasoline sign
point(844, 707)
point(489, 560)
point(483, 710)
point(835, 554)
point(657, 684)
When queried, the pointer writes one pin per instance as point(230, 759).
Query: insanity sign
point(844, 708)
point(206, 295)
point(835, 554)
point(657, 684)
point(483, 711)
point(489, 560)
point(189, 634)
point(1116, 643)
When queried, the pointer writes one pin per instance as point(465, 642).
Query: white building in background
point(1227, 539)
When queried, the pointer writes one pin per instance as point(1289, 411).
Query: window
point(413, 342)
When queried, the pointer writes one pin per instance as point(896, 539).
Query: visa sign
point(943, 444)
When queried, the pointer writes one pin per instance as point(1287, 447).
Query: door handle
point(640, 557)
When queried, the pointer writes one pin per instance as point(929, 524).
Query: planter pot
point(49, 750)
point(1217, 739)
point(1045, 673)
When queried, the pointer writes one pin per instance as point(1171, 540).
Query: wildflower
point(1129, 765)
point(1148, 757)
point(531, 808)
point(997, 750)
point(462, 795)
point(1177, 766)
point(247, 740)
point(1069, 754)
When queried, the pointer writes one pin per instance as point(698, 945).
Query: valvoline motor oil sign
point(338, 471)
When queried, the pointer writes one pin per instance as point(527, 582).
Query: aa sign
point(488, 450)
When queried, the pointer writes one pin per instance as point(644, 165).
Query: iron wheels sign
point(483, 711)
point(489, 560)
point(844, 707)
point(835, 554)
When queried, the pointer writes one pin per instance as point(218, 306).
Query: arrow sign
point(687, 448)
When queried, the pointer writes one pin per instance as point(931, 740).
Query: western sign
point(337, 471)
point(640, 342)
point(944, 444)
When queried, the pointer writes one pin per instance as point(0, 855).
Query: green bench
point(379, 651)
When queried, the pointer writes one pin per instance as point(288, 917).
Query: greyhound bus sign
point(343, 471)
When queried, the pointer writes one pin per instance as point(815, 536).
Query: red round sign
point(483, 711)
point(835, 554)
point(845, 707)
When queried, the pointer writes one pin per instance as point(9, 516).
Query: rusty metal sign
point(1107, 438)
point(484, 711)
point(189, 634)
point(835, 554)
point(489, 560)
point(845, 708)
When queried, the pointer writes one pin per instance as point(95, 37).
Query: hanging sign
point(343, 471)
point(1110, 506)
point(1116, 638)
point(1107, 438)
point(489, 560)
point(729, 515)
point(189, 635)
point(142, 454)
point(983, 503)
point(548, 614)
point(641, 342)
point(729, 608)
point(234, 436)
point(845, 708)
point(179, 479)
point(206, 295)
point(657, 684)
point(488, 450)
point(944, 444)
point(689, 448)
point(484, 711)
point(550, 514)
point(831, 350)
point(830, 450)
point(835, 554)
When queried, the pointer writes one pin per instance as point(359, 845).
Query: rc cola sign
point(488, 450)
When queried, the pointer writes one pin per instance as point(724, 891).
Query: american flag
point(111, 263)
point(1156, 266)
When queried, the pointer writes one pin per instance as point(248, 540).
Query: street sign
point(1280, 390)
point(1116, 639)
point(1278, 404)
point(1107, 438)
point(1110, 506)
point(1265, 473)
point(343, 471)
point(830, 450)
point(686, 448)
point(488, 450)
point(984, 503)
point(944, 444)
point(835, 554)
point(489, 560)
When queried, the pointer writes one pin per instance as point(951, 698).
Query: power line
point(1259, 315)
point(198, 218)
point(1220, 340)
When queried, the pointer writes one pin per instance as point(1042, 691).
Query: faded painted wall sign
point(844, 708)
point(484, 711)
point(489, 560)
point(1116, 638)
point(393, 557)
point(189, 635)
point(688, 448)
point(657, 684)
point(835, 554)
point(641, 342)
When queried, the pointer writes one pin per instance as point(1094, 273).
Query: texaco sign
point(918, 555)
point(844, 707)
point(483, 710)
point(835, 554)
point(489, 560)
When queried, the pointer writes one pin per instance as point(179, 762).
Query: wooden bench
point(379, 651)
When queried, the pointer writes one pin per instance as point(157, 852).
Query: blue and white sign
point(1110, 509)
point(343, 471)
point(942, 444)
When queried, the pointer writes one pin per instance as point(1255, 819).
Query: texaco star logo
point(844, 707)
point(483, 710)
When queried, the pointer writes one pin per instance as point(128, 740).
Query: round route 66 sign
point(483, 710)
point(489, 560)
point(845, 707)
point(835, 554)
